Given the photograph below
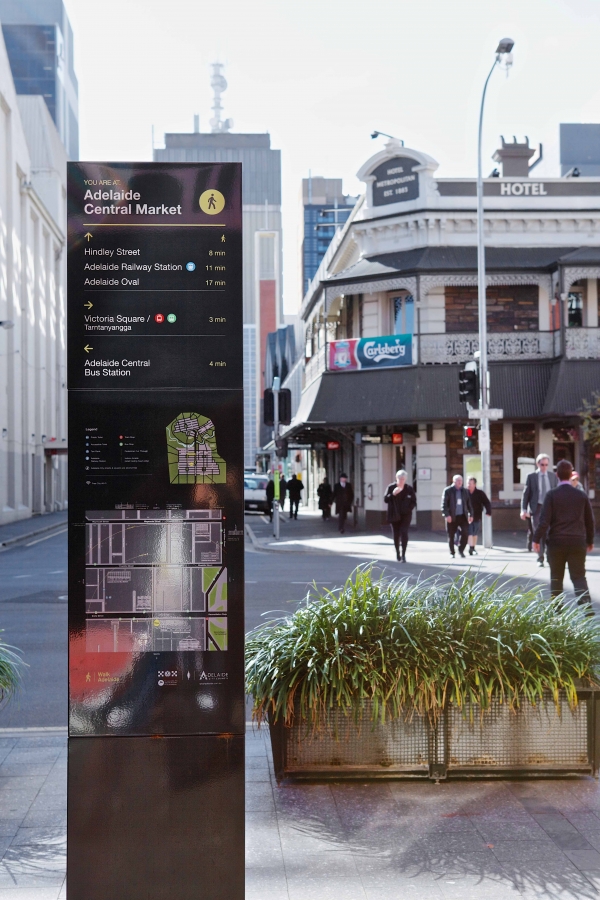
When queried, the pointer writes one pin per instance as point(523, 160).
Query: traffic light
point(285, 407)
point(281, 448)
point(469, 437)
point(468, 387)
point(268, 407)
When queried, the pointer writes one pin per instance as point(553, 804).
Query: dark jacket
point(566, 517)
point(343, 497)
point(325, 494)
point(401, 504)
point(530, 498)
point(479, 502)
point(294, 488)
point(270, 490)
point(449, 501)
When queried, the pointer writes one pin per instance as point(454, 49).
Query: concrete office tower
point(33, 427)
point(261, 196)
point(39, 43)
point(324, 208)
point(579, 149)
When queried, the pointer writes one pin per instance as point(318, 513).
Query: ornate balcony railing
point(315, 365)
point(582, 343)
point(509, 345)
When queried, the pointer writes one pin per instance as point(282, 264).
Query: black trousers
point(560, 556)
point(536, 521)
point(400, 530)
point(342, 519)
point(458, 522)
point(294, 507)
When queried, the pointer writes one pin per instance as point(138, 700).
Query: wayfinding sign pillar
point(156, 580)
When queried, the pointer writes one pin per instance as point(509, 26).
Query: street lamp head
point(505, 46)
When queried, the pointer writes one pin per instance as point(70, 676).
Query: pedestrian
point(282, 492)
point(576, 482)
point(343, 497)
point(325, 495)
point(567, 519)
point(536, 487)
point(401, 500)
point(294, 489)
point(458, 512)
point(479, 502)
point(270, 492)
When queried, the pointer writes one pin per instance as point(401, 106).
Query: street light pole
point(503, 51)
point(276, 384)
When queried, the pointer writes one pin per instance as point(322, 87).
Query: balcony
point(315, 365)
point(582, 343)
point(510, 345)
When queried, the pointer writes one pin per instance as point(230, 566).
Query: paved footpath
point(341, 841)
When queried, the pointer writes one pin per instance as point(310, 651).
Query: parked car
point(255, 493)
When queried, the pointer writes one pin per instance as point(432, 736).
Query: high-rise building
point(324, 208)
point(579, 149)
point(261, 198)
point(39, 44)
point(33, 400)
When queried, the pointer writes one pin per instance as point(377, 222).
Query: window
point(575, 309)
point(523, 452)
point(403, 312)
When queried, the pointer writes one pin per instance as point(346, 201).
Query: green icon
point(121, 444)
point(171, 318)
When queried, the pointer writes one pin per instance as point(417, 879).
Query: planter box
point(538, 740)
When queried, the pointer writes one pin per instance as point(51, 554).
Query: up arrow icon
point(89, 236)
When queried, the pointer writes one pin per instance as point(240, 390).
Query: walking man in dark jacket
point(568, 521)
point(294, 489)
point(325, 495)
point(536, 487)
point(479, 502)
point(343, 497)
point(401, 500)
point(458, 512)
point(270, 492)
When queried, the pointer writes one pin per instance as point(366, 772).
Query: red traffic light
point(469, 431)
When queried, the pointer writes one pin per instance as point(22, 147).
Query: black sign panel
point(156, 449)
point(395, 181)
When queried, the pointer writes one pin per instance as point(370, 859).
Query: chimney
point(514, 158)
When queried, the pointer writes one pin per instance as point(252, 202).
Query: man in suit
point(457, 509)
point(536, 487)
point(343, 497)
point(568, 521)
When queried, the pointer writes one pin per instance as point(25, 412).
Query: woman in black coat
point(325, 494)
point(401, 500)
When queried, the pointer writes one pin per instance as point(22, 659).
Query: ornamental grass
point(406, 648)
point(11, 666)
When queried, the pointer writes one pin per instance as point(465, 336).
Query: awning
point(430, 394)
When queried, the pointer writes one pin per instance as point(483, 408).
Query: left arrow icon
point(89, 304)
point(87, 348)
point(89, 236)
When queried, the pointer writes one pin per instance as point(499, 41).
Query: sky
point(321, 75)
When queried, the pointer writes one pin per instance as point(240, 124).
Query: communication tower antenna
point(219, 85)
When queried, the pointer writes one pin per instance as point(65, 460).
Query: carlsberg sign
point(385, 352)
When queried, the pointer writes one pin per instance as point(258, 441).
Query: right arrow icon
point(89, 304)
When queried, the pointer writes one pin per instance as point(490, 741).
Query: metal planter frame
point(532, 741)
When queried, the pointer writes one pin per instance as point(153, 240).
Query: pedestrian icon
point(212, 202)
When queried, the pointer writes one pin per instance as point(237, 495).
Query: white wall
point(431, 455)
point(32, 296)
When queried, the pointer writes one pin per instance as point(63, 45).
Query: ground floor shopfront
point(370, 424)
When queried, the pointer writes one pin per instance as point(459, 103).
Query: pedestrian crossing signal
point(469, 437)
point(285, 407)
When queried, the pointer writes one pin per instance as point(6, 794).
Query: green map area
point(192, 451)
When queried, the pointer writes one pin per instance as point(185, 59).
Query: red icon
point(397, 438)
point(159, 318)
point(120, 437)
point(333, 445)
